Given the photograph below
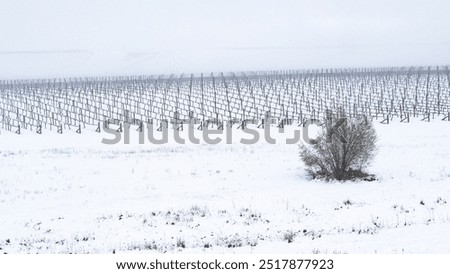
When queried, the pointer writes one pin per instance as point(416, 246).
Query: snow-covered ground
point(72, 194)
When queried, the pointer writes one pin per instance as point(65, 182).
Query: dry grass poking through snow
point(84, 197)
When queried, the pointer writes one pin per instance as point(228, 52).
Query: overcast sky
point(163, 36)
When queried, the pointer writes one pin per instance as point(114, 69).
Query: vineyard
point(291, 97)
point(71, 193)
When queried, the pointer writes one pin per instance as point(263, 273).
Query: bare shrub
point(289, 236)
point(342, 149)
point(181, 243)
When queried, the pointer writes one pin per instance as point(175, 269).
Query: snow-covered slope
point(70, 193)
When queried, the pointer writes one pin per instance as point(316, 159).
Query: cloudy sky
point(49, 38)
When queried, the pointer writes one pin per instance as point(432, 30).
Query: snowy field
point(72, 194)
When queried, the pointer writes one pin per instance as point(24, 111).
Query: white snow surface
point(70, 193)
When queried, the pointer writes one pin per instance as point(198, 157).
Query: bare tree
point(342, 149)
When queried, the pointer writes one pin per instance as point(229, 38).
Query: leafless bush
point(342, 149)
